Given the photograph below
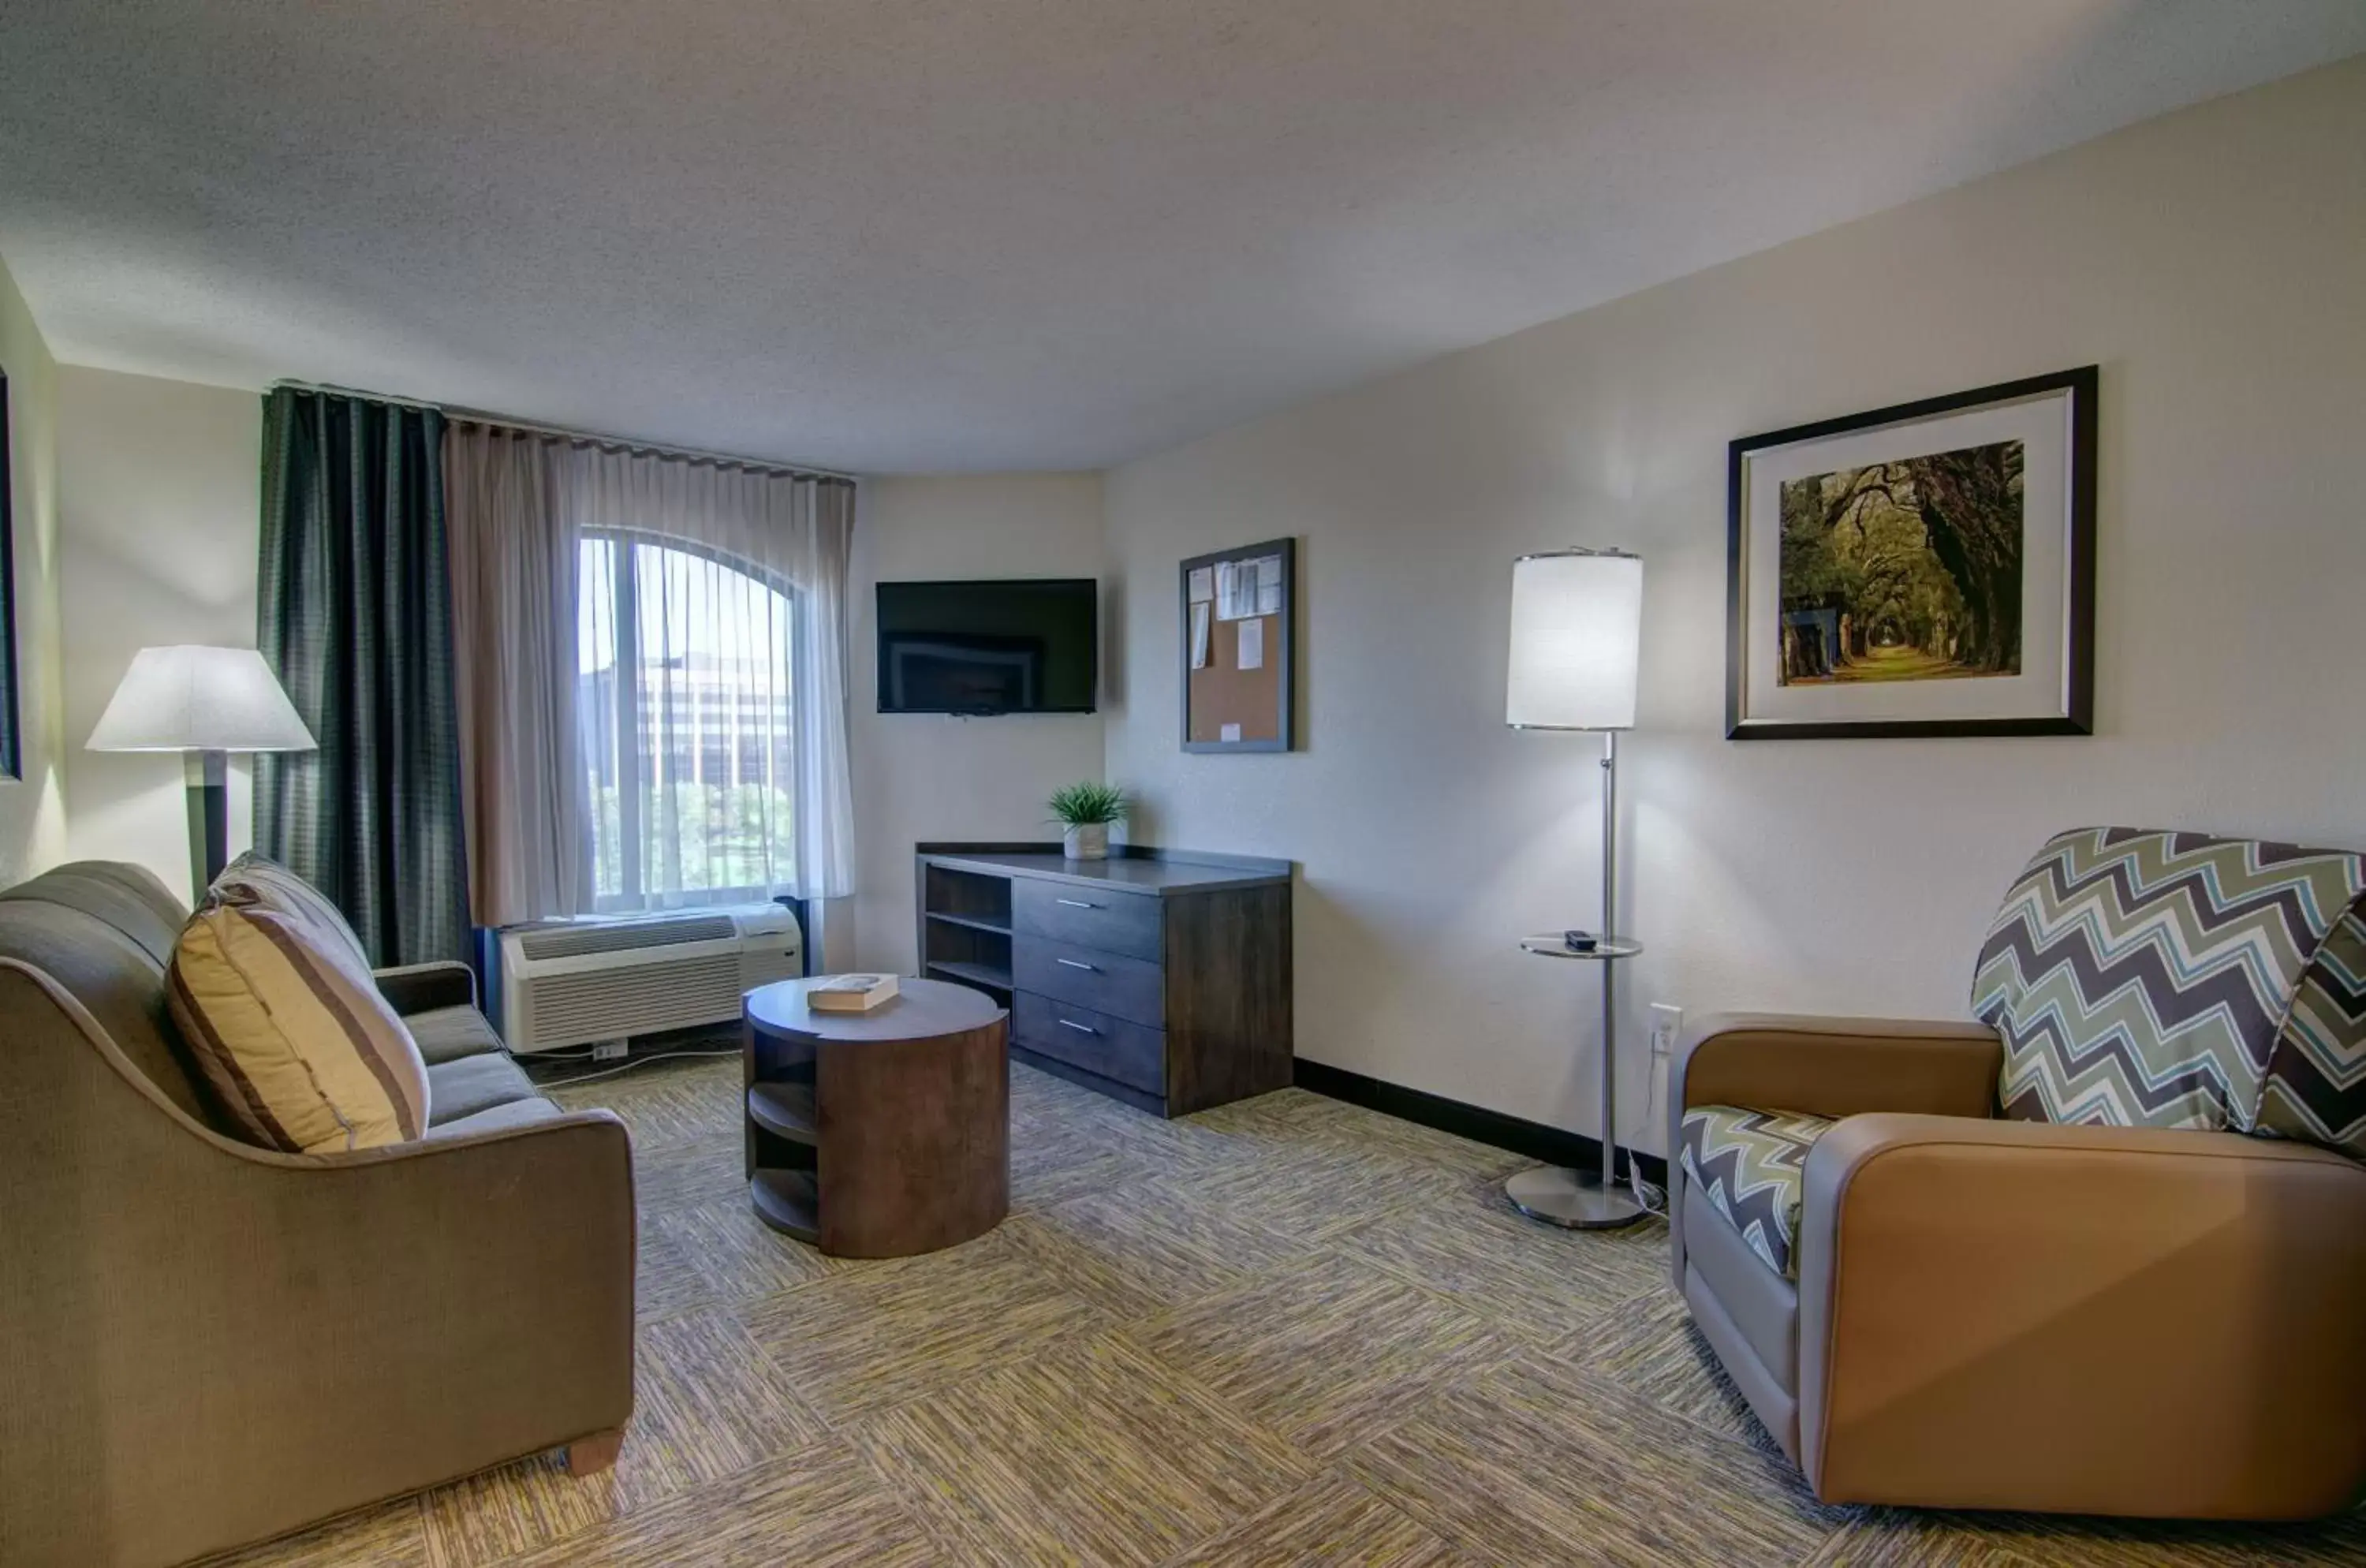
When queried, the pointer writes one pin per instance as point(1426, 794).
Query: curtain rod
point(585, 437)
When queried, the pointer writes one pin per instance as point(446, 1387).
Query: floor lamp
point(1577, 618)
point(204, 703)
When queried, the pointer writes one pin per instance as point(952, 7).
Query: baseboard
point(1549, 1145)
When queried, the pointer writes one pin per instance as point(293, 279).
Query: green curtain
point(356, 615)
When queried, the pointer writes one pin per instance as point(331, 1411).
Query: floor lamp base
point(1575, 1200)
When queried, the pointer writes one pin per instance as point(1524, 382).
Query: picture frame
point(1923, 570)
point(12, 740)
point(1239, 668)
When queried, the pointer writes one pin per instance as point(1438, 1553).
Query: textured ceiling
point(907, 235)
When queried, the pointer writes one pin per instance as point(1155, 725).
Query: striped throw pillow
point(290, 1030)
point(276, 887)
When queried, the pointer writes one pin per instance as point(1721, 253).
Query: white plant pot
point(1086, 840)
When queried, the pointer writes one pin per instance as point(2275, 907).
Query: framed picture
point(1238, 609)
point(1923, 570)
point(12, 744)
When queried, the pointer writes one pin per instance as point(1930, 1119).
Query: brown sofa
point(2102, 1251)
point(203, 1343)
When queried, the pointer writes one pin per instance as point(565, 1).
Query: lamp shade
point(199, 699)
point(1577, 633)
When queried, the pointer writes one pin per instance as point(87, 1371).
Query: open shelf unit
point(984, 976)
point(975, 925)
point(965, 929)
point(788, 1200)
point(783, 1174)
point(784, 1110)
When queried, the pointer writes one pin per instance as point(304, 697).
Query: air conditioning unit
point(573, 981)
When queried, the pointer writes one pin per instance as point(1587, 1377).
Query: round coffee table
point(879, 1133)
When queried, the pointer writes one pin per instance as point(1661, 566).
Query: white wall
point(158, 511)
point(2214, 263)
point(922, 776)
point(32, 806)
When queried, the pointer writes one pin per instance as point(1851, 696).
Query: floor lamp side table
point(1581, 1200)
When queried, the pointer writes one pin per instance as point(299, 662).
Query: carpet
point(1285, 1332)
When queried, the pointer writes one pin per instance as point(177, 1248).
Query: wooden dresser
point(1157, 977)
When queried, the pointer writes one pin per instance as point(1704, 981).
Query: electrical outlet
point(608, 1051)
point(1665, 1022)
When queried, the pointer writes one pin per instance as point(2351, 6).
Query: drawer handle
point(1079, 1028)
point(1079, 963)
point(1075, 903)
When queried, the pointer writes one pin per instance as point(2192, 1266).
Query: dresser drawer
point(1115, 923)
point(1094, 1041)
point(1105, 982)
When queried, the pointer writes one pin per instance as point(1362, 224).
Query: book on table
point(850, 993)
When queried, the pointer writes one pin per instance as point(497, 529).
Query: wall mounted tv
point(990, 646)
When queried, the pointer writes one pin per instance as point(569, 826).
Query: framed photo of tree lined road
point(1923, 570)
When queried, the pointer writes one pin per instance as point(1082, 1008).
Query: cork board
point(1239, 609)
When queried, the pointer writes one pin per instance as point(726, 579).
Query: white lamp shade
point(1577, 634)
point(199, 699)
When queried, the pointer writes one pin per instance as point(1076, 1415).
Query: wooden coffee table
point(879, 1133)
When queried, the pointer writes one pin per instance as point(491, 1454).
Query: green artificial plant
point(1086, 804)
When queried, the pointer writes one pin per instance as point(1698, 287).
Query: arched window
point(686, 717)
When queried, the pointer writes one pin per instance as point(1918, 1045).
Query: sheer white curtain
point(652, 673)
point(711, 677)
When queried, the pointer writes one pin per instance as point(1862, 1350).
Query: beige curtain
point(524, 793)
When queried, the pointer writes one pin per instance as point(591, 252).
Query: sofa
point(2100, 1249)
point(204, 1343)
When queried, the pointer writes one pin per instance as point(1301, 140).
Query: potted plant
point(1085, 812)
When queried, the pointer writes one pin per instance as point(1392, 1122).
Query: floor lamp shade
point(199, 699)
point(204, 703)
point(1577, 631)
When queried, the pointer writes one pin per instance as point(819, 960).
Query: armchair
point(2137, 1289)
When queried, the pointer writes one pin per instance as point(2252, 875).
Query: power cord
point(626, 1066)
point(1649, 1194)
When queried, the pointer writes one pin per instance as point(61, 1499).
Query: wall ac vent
point(575, 982)
point(624, 936)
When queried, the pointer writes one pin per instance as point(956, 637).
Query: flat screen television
point(990, 645)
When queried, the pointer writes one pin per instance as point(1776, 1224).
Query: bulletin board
point(1239, 607)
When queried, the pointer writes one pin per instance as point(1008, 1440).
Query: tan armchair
point(208, 1343)
point(1928, 1303)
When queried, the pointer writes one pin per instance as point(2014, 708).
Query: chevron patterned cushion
point(2144, 979)
point(1748, 1164)
point(2317, 1080)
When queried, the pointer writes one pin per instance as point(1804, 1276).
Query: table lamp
point(204, 703)
point(1577, 618)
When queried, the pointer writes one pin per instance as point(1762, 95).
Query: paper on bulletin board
point(1268, 586)
point(1199, 635)
point(1252, 644)
point(1203, 584)
point(1236, 590)
point(1229, 733)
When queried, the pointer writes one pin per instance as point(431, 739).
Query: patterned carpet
point(1286, 1332)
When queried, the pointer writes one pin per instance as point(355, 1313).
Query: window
point(684, 702)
